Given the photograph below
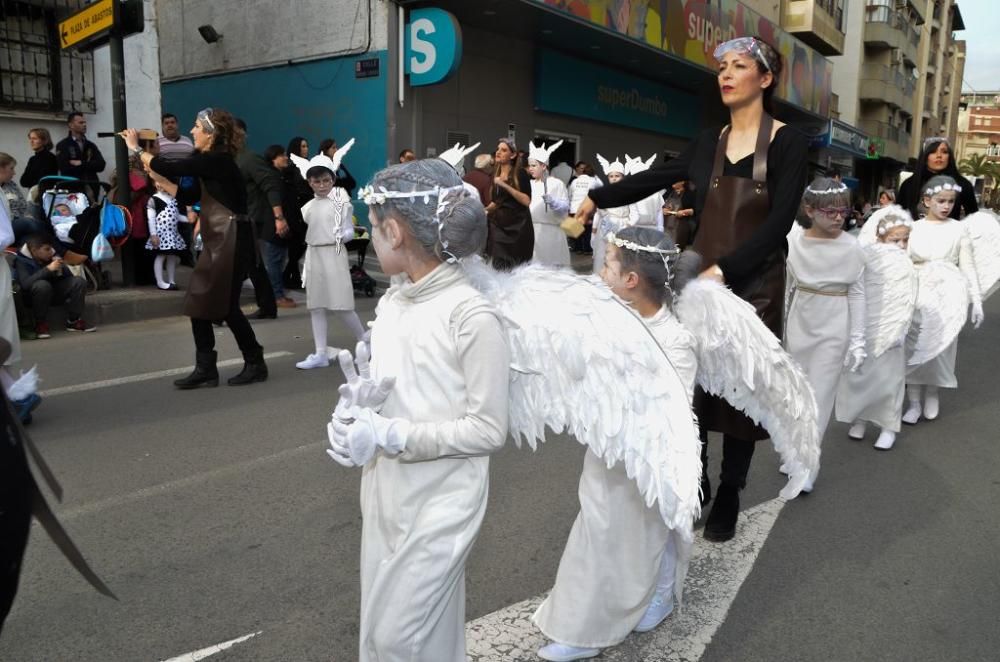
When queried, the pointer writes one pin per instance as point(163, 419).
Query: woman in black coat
point(936, 158)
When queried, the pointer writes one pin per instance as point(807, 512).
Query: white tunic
point(422, 509)
point(610, 220)
point(551, 247)
point(327, 272)
point(608, 571)
point(818, 326)
point(947, 241)
point(875, 392)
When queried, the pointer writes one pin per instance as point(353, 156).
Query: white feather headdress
point(614, 166)
point(322, 160)
point(634, 165)
point(542, 153)
point(455, 155)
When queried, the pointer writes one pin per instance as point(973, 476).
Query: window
point(34, 73)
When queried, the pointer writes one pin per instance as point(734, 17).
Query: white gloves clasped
point(360, 390)
point(977, 314)
point(354, 444)
point(856, 355)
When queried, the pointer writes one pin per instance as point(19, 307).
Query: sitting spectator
point(43, 162)
point(22, 212)
point(42, 276)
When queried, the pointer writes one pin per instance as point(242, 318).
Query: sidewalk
point(120, 304)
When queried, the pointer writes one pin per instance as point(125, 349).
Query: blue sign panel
point(570, 86)
point(433, 46)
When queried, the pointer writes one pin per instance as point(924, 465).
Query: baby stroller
point(76, 223)
point(360, 280)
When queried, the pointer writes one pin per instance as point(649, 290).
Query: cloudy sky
point(982, 36)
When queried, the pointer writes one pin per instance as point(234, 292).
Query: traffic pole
point(117, 52)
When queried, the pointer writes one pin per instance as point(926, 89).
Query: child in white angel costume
point(825, 311)
point(426, 418)
point(326, 273)
point(613, 219)
point(939, 238)
point(649, 210)
point(549, 206)
point(874, 393)
point(618, 570)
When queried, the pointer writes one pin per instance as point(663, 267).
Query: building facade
point(938, 90)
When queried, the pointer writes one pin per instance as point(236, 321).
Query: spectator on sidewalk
point(22, 212)
point(43, 162)
point(137, 264)
point(295, 192)
point(173, 144)
point(299, 146)
point(481, 176)
point(407, 155)
point(263, 186)
point(44, 279)
point(77, 156)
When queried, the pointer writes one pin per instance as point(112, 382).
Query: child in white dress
point(164, 239)
point(327, 273)
point(613, 219)
point(825, 314)
point(875, 392)
point(617, 572)
point(426, 451)
point(939, 237)
point(549, 205)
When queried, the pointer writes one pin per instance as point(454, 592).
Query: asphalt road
point(215, 514)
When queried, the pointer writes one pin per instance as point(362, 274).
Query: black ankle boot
point(254, 369)
point(721, 523)
point(706, 490)
point(205, 373)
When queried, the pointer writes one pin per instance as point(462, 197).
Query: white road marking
point(182, 483)
point(146, 376)
point(194, 656)
point(714, 578)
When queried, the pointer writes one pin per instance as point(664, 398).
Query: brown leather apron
point(211, 281)
point(734, 208)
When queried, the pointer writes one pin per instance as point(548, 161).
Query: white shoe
point(657, 611)
point(314, 361)
point(857, 430)
point(932, 406)
point(912, 414)
point(885, 440)
point(556, 652)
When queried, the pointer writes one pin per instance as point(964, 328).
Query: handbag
point(572, 227)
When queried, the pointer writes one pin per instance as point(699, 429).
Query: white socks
point(170, 261)
point(932, 406)
point(319, 327)
point(353, 322)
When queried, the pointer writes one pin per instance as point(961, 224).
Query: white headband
point(890, 222)
point(942, 187)
point(370, 197)
point(837, 189)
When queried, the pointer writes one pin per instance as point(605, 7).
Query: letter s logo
point(433, 49)
point(422, 47)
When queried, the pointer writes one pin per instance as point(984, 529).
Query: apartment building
point(941, 64)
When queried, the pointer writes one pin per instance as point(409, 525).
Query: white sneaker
point(314, 361)
point(932, 406)
point(885, 440)
point(912, 414)
point(857, 430)
point(657, 611)
point(556, 652)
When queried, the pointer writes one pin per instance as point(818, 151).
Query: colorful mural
point(691, 29)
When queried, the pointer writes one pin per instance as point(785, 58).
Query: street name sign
point(89, 24)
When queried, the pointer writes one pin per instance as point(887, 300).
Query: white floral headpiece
point(942, 187)
point(894, 220)
point(833, 189)
point(665, 253)
point(370, 196)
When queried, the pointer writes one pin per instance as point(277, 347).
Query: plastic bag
point(101, 250)
point(112, 221)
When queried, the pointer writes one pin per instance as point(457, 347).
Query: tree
point(978, 165)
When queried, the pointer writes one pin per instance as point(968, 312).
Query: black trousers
point(16, 496)
point(70, 290)
point(736, 457)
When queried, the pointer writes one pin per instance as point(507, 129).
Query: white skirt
point(608, 572)
point(327, 278)
point(875, 392)
point(939, 371)
point(8, 316)
point(551, 247)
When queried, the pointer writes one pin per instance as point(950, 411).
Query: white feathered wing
point(584, 363)
point(984, 231)
point(941, 311)
point(890, 296)
point(740, 360)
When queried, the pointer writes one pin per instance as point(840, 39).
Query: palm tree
point(978, 165)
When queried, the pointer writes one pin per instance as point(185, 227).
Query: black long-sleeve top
point(911, 197)
point(219, 172)
point(92, 161)
point(41, 164)
point(786, 179)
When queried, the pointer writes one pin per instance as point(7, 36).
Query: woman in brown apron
point(510, 238)
point(210, 176)
point(748, 180)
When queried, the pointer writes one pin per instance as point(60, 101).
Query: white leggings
point(171, 269)
point(349, 318)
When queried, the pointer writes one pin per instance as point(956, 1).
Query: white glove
point(354, 444)
point(360, 390)
point(347, 231)
point(977, 314)
point(856, 355)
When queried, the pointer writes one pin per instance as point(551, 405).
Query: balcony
point(887, 84)
point(886, 28)
point(897, 140)
point(818, 23)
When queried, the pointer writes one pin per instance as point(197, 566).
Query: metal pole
point(117, 52)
